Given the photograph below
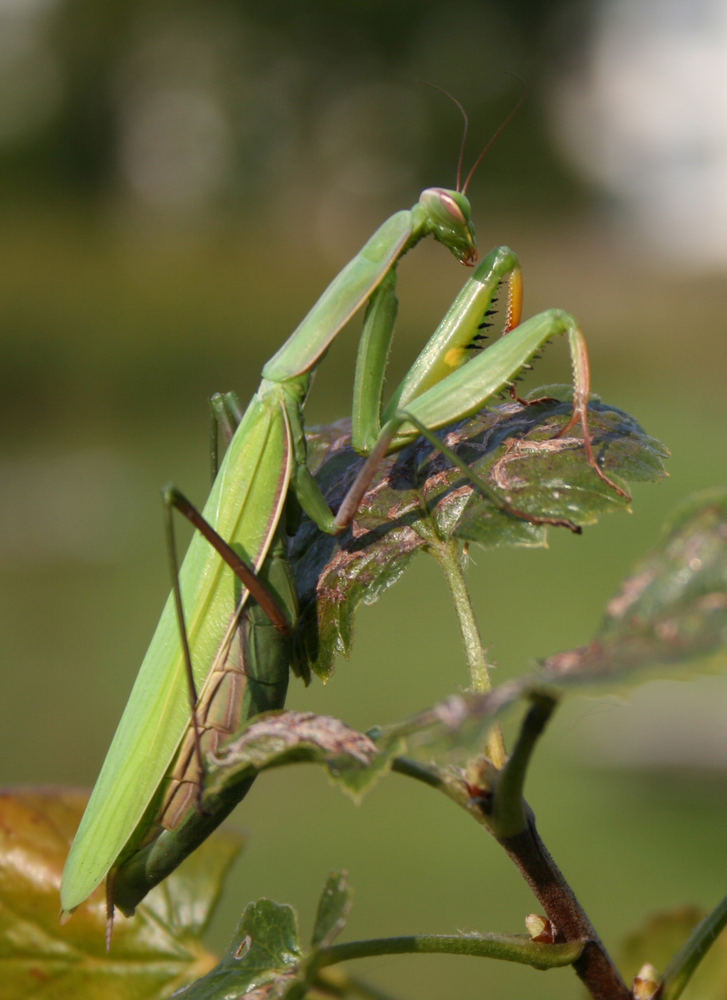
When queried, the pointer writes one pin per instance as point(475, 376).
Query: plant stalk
point(594, 966)
point(451, 559)
point(507, 947)
point(525, 848)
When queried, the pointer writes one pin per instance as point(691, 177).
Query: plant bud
point(481, 778)
point(541, 929)
point(647, 982)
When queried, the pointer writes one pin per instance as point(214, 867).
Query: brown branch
point(594, 967)
point(502, 810)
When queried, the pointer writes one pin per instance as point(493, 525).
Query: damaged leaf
point(418, 496)
point(671, 611)
point(352, 759)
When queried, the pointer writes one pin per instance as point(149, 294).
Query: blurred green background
point(179, 182)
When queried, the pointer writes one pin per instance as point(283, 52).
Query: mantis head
point(449, 219)
point(448, 213)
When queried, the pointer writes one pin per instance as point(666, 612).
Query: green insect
point(236, 598)
point(266, 459)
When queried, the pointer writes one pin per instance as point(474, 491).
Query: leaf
point(418, 497)
point(334, 907)
point(460, 721)
point(265, 960)
point(264, 955)
point(355, 760)
point(352, 759)
point(671, 612)
point(151, 955)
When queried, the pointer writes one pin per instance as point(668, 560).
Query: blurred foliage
point(154, 954)
point(267, 83)
point(672, 609)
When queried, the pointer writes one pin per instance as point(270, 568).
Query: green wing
point(244, 506)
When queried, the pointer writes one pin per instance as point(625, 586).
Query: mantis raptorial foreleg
point(456, 374)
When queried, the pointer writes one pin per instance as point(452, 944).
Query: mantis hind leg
point(249, 675)
point(266, 600)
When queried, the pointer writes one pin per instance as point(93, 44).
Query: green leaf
point(263, 958)
point(671, 612)
point(418, 495)
point(355, 760)
point(151, 955)
point(459, 721)
point(333, 909)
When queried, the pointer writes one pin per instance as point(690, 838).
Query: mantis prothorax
point(141, 820)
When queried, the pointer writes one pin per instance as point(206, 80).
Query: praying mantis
point(229, 622)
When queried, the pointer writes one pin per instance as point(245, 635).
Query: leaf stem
point(507, 947)
point(594, 966)
point(450, 557)
point(509, 813)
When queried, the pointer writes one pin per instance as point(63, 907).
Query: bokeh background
point(178, 183)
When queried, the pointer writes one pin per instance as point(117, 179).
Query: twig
point(594, 967)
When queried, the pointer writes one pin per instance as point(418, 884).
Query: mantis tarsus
point(141, 820)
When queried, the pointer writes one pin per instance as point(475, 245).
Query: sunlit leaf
point(152, 954)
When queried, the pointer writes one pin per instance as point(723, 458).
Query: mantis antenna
point(462, 188)
point(489, 144)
